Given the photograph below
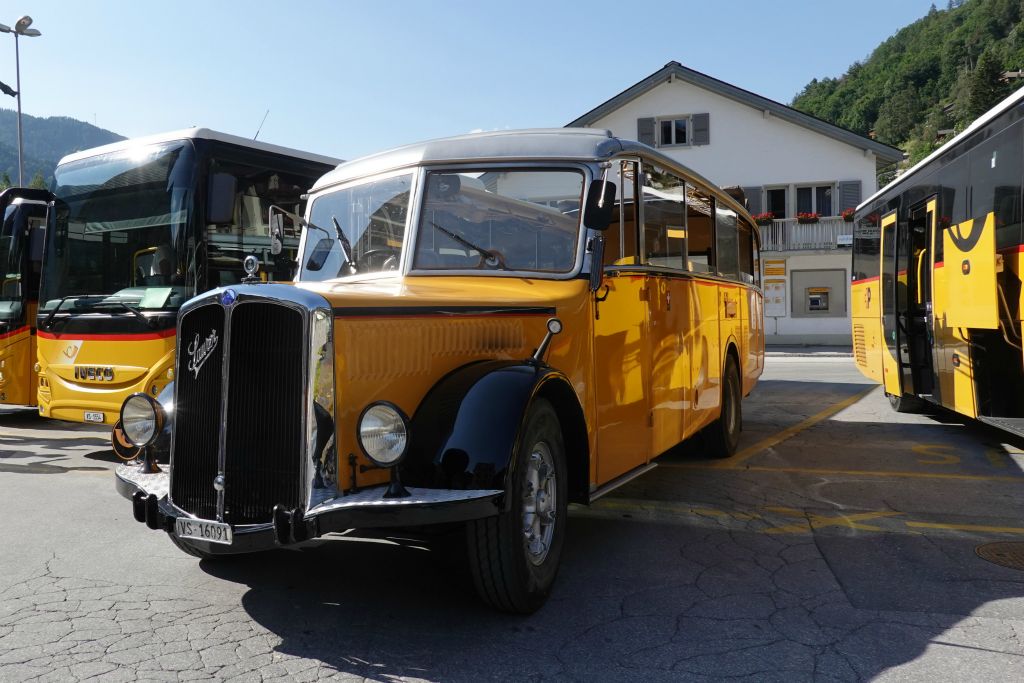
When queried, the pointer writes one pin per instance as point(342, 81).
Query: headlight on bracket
point(142, 419)
point(383, 433)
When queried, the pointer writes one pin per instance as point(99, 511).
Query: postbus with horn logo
point(21, 253)
point(484, 329)
point(937, 269)
point(138, 227)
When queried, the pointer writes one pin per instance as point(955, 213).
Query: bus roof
point(203, 133)
point(533, 144)
point(980, 122)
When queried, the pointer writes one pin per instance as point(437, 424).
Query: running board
point(620, 480)
point(1014, 425)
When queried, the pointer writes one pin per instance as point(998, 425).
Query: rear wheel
point(723, 435)
point(905, 404)
point(514, 556)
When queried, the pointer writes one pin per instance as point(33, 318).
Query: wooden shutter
point(701, 129)
point(849, 194)
point(645, 131)
point(753, 199)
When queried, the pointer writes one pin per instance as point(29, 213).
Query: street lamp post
point(21, 28)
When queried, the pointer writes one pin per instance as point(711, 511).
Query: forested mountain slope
point(932, 77)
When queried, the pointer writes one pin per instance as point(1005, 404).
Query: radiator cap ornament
point(227, 297)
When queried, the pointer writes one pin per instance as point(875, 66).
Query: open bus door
point(906, 292)
point(24, 212)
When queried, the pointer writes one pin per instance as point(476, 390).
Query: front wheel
point(723, 435)
point(514, 556)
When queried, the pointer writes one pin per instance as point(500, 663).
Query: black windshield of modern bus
point(120, 230)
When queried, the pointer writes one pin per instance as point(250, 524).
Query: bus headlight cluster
point(142, 418)
point(383, 433)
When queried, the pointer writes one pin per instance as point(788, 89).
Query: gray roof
point(204, 133)
point(533, 144)
point(580, 144)
point(884, 153)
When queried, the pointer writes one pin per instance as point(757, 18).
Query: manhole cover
point(1005, 554)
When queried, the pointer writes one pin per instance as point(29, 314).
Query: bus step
point(1014, 425)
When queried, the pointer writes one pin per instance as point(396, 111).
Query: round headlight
point(141, 419)
point(383, 434)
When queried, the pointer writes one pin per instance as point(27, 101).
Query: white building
point(787, 163)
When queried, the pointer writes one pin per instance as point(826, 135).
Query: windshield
point(120, 230)
point(357, 229)
point(517, 220)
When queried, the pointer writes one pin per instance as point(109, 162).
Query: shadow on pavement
point(638, 601)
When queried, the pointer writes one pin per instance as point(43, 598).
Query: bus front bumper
point(365, 508)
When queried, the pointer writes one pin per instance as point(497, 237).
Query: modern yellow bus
point(483, 330)
point(937, 265)
point(21, 252)
point(136, 229)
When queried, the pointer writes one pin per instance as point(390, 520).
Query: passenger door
point(621, 341)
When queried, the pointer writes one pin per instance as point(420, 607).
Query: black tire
point(723, 435)
point(905, 404)
point(509, 573)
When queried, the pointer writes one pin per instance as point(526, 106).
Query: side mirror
point(220, 203)
point(318, 257)
point(597, 214)
point(276, 231)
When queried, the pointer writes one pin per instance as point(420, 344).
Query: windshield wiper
point(491, 258)
point(131, 309)
point(48, 323)
point(346, 246)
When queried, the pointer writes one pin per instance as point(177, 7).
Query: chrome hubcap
point(540, 503)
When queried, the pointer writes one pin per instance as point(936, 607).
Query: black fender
point(467, 428)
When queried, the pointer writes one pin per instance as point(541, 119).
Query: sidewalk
point(798, 351)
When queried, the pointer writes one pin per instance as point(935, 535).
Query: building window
point(776, 201)
point(673, 131)
point(814, 199)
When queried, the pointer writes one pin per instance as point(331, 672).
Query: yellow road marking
point(968, 527)
point(788, 433)
point(866, 473)
point(933, 451)
point(815, 521)
point(630, 505)
point(996, 458)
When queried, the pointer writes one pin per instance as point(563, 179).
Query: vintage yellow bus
point(937, 265)
point(136, 229)
point(21, 249)
point(485, 328)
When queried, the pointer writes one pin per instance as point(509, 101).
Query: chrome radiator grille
point(256, 372)
point(264, 416)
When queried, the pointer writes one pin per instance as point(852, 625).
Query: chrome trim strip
point(222, 434)
point(193, 304)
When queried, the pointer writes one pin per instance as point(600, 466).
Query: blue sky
point(350, 78)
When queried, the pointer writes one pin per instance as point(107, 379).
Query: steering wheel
point(391, 256)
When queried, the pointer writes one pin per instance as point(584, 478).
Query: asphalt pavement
point(840, 544)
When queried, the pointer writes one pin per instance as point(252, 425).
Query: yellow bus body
point(17, 364)
point(73, 384)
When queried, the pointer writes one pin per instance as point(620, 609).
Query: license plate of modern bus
point(213, 532)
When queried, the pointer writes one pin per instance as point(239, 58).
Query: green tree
point(898, 115)
point(38, 181)
point(985, 87)
point(5, 181)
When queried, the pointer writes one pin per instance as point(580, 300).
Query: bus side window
point(620, 237)
point(664, 197)
point(726, 239)
point(700, 230)
point(746, 253)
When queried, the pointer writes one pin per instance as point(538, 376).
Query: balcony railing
point(787, 234)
